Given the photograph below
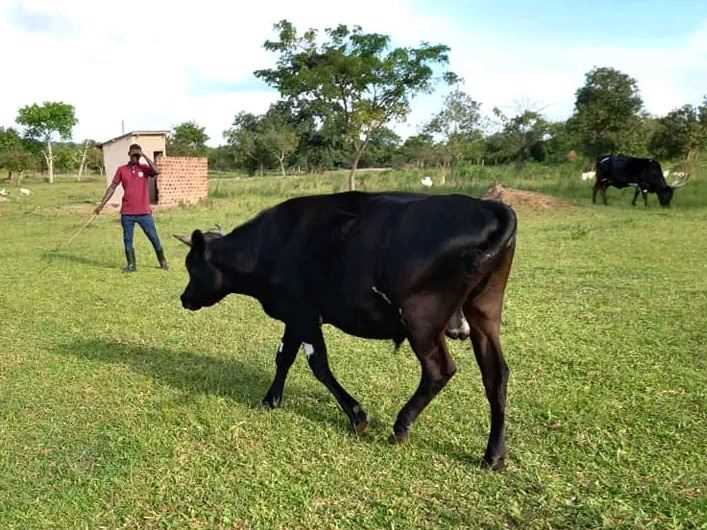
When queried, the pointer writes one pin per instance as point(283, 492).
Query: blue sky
point(156, 63)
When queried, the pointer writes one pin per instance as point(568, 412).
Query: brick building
point(182, 180)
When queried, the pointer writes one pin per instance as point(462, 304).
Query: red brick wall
point(182, 180)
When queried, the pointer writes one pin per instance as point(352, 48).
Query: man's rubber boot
point(162, 259)
point(130, 255)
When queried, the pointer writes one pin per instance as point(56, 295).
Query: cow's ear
point(198, 243)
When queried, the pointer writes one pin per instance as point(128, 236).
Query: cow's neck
point(236, 256)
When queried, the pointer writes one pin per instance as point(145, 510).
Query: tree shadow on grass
point(230, 379)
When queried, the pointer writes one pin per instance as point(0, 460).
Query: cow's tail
point(502, 238)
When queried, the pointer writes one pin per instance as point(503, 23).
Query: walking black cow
point(381, 266)
point(644, 174)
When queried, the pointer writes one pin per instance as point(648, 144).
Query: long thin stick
point(68, 242)
point(86, 224)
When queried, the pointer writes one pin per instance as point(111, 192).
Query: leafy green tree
point(15, 157)
point(67, 157)
point(43, 122)
point(563, 143)
point(278, 134)
point(223, 158)
point(682, 133)
point(418, 150)
point(246, 139)
point(522, 138)
point(354, 80)
point(91, 158)
point(459, 123)
point(382, 147)
point(187, 139)
point(607, 113)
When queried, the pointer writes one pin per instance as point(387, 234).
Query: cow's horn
point(183, 239)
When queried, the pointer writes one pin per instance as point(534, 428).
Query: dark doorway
point(154, 192)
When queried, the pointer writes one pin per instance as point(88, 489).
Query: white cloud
point(152, 63)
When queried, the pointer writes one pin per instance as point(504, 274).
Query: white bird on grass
point(25, 191)
point(426, 182)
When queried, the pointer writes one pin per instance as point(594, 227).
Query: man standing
point(134, 176)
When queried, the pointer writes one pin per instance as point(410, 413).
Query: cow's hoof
point(496, 463)
point(360, 426)
point(359, 422)
point(271, 402)
point(398, 437)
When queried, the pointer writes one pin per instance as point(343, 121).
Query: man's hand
point(98, 209)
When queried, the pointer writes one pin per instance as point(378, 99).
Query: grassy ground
point(118, 409)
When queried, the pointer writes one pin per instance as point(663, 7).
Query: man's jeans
point(147, 223)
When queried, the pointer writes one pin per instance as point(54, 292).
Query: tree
point(278, 134)
point(522, 138)
point(245, 138)
point(223, 158)
point(354, 81)
point(15, 156)
point(42, 122)
point(460, 126)
point(418, 150)
point(607, 113)
point(681, 133)
point(90, 154)
point(67, 157)
point(382, 147)
point(187, 139)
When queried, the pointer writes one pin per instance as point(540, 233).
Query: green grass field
point(119, 409)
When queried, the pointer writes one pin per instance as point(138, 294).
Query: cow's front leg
point(635, 196)
point(286, 354)
point(318, 361)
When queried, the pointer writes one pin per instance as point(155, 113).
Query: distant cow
point(644, 174)
point(380, 266)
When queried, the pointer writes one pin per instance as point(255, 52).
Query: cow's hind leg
point(286, 354)
point(483, 312)
point(318, 361)
point(428, 343)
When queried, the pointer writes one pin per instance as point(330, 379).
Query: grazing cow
point(375, 265)
point(644, 174)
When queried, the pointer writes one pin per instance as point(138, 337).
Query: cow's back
point(621, 171)
point(354, 254)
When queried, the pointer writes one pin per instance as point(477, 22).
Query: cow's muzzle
point(186, 304)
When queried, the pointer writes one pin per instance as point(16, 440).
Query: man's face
point(134, 156)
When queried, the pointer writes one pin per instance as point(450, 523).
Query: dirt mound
point(524, 199)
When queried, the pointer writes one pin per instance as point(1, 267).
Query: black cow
point(644, 174)
point(381, 266)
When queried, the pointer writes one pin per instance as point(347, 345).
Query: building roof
point(134, 133)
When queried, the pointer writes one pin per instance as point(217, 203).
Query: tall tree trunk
point(354, 167)
point(261, 169)
point(83, 160)
point(282, 165)
point(50, 161)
